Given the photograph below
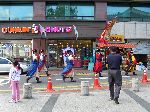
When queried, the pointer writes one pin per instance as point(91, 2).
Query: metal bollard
point(135, 84)
point(27, 91)
point(84, 88)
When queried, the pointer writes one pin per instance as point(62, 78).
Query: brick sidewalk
point(97, 101)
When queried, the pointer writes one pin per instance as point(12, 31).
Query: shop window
point(129, 12)
point(16, 12)
point(69, 11)
point(16, 49)
point(82, 51)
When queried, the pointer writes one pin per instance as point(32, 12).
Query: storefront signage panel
point(116, 38)
point(37, 29)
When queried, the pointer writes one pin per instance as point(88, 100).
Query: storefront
point(20, 38)
point(82, 49)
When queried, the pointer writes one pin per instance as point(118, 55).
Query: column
point(100, 11)
point(39, 10)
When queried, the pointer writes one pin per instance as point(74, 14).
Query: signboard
point(116, 38)
point(37, 29)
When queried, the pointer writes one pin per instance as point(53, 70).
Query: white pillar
point(27, 91)
point(84, 88)
point(135, 84)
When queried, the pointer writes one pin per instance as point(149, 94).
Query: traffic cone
point(96, 83)
point(144, 77)
point(49, 86)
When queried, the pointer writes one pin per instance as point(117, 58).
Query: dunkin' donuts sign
point(37, 29)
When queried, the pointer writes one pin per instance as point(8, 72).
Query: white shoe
point(12, 101)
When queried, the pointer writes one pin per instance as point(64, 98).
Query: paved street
point(58, 84)
point(70, 100)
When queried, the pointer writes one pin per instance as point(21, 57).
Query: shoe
point(126, 74)
point(111, 98)
point(27, 80)
point(72, 79)
point(100, 75)
point(134, 73)
point(12, 101)
point(116, 100)
point(38, 81)
point(64, 78)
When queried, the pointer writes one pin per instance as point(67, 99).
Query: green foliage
point(61, 10)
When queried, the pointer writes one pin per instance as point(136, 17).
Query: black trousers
point(114, 79)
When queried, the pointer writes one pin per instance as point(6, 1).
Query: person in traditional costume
point(66, 73)
point(131, 63)
point(33, 69)
point(42, 62)
point(98, 63)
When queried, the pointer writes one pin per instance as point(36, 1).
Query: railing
point(17, 18)
point(70, 18)
point(127, 19)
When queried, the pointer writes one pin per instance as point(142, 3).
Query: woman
point(14, 78)
point(42, 62)
point(68, 66)
point(33, 69)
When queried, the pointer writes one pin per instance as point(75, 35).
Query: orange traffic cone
point(49, 86)
point(144, 77)
point(96, 83)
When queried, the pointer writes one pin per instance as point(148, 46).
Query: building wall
point(132, 30)
point(100, 11)
point(39, 10)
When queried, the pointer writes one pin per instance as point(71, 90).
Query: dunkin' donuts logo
point(38, 29)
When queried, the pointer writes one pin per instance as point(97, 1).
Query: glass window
point(16, 12)
point(129, 13)
point(70, 10)
point(4, 61)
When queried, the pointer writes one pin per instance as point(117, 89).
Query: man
point(114, 74)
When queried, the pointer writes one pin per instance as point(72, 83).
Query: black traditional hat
point(41, 50)
point(34, 51)
point(69, 51)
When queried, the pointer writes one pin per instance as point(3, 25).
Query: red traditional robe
point(98, 63)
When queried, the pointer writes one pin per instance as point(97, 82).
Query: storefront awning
point(123, 45)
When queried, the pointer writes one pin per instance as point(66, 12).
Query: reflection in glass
point(16, 12)
point(69, 11)
point(126, 13)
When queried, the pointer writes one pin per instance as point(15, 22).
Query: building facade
point(53, 25)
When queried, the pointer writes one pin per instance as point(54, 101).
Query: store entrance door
point(52, 55)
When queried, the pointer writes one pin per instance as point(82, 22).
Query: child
point(14, 78)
